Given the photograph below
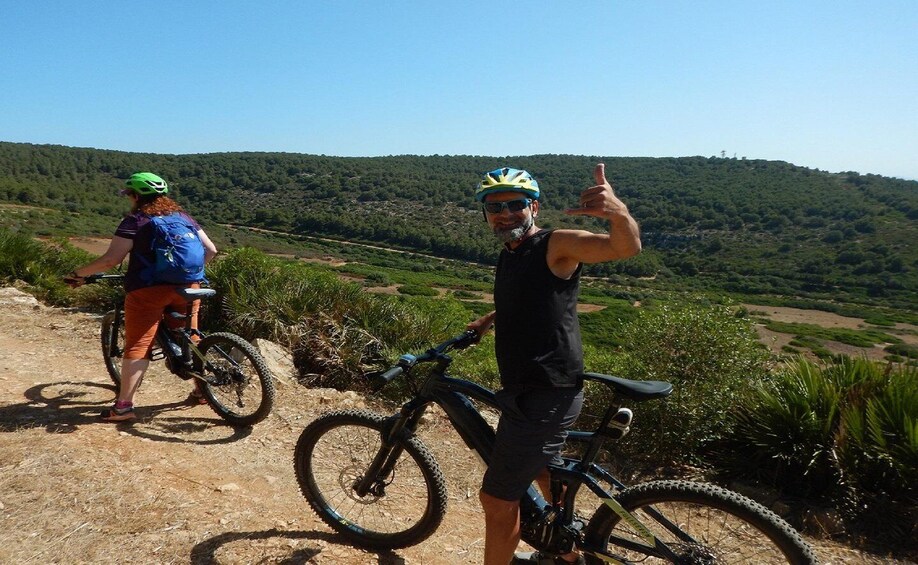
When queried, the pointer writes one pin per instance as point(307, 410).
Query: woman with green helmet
point(147, 294)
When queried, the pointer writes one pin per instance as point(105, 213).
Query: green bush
point(376, 279)
point(467, 295)
point(41, 265)
point(845, 432)
point(857, 338)
point(880, 320)
point(417, 290)
point(336, 330)
point(708, 354)
point(902, 350)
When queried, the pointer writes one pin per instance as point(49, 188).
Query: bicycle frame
point(546, 526)
point(181, 363)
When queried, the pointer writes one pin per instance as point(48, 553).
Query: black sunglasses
point(512, 205)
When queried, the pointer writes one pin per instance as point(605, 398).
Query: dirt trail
point(177, 486)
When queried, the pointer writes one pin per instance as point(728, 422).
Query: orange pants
point(143, 310)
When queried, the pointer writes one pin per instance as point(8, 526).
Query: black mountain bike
point(231, 374)
point(370, 478)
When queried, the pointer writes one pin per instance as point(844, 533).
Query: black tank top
point(537, 334)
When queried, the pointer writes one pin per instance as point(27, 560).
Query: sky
point(830, 85)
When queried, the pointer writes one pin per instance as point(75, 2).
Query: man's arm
point(482, 324)
point(569, 248)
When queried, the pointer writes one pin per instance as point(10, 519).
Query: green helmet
point(145, 184)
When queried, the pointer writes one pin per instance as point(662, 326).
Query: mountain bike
point(231, 375)
point(372, 480)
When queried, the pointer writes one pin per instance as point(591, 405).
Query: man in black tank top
point(537, 337)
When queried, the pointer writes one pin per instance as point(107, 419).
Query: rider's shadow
point(270, 544)
point(62, 407)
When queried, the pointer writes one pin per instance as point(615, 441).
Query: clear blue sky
point(823, 84)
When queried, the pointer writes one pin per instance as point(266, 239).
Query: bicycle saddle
point(195, 293)
point(635, 390)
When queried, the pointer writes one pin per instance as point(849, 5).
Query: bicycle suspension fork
point(391, 448)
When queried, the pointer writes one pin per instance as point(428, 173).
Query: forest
point(743, 226)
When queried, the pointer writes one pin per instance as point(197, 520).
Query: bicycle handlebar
point(100, 277)
point(407, 361)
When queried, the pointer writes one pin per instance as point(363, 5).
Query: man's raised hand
point(599, 200)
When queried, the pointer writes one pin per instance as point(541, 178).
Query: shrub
point(376, 279)
point(467, 295)
point(903, 350)
point(845, 432)
point(40, 265)
point(417, 290)
point(708, 354)
point(336, 330)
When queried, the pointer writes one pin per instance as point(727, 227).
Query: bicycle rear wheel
point(703, 524)
point(237, 383)
point(402, 508)
point(113, 345)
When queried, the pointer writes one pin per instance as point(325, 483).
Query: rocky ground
point(177, 485)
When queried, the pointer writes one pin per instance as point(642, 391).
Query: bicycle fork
point(383, 465)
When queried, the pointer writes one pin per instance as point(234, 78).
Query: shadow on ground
point(206, 551)
point(62, 407)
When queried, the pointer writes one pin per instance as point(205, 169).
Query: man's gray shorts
point(530, 434)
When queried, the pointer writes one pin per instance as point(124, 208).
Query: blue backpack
point(177, 250)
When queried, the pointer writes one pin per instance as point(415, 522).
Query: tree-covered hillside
point(747, 226)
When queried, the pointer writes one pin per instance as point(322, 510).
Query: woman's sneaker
point(115, 414)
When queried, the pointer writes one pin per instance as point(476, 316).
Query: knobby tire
point(239, 386)
point(333, 453)
point(725, 527)
point(112, 352)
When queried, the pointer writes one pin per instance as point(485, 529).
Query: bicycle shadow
point(64, 406)
point(205, 551)
point(73, 405)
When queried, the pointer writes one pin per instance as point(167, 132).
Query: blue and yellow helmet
point(507, 180)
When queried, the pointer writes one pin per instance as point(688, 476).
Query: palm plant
point(845, 432)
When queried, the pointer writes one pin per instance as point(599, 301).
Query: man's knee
point(497, 507)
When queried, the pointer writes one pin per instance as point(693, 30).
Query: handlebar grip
point(96, 277)
point(467, 338)
point(389, 375)
point(405, 362)
point(379, 380)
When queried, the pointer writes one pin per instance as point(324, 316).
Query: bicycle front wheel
point(700, 523)
point(236, 381)
point(113, 345)
point(403, 508)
